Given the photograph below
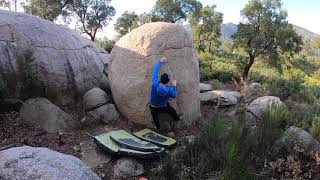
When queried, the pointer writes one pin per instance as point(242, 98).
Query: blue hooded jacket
point(160, 94)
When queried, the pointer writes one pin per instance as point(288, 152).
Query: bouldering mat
point(155, 138)
point(127, 140)
point(105, 143)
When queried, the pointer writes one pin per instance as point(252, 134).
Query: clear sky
point(304, 13)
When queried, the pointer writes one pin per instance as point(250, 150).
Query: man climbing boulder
point(133, 59)
point(161, 91)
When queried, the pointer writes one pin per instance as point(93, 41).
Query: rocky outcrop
point(30, 163)
point(68, 63)
point(94, 98)
point(127, 168)
point(132, 62)
point(295, 135)
point(223, 98)
point(41, 112)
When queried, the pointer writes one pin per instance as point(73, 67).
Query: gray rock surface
point(28, 163)
point(106, 113)
point(299, 136)
point(126, 168)
point(94, 98)
point(69, 63)
point(132, 62)
point(224, 98)
point(41, 112)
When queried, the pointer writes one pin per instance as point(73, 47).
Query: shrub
point(302, 115)
point(312, 82)
point(32, 84)
point(315, 128)
point(240, 144)
point(272, 125)
point(204, 155)
point(219, 66)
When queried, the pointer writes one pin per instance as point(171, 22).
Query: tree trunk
point(210, 47)
point(92, 38)
point(248, 66)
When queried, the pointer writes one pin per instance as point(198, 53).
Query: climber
point(161, 91)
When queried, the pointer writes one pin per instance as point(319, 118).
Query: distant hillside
point(229, 29)
point(306, 33)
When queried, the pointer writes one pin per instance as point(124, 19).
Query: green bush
point(302, 115)
point(315, 128)
point(272, 125)
point(204, 155)
point(32, 84)
point(240, 145)
point(312, 82)
point(219, 66)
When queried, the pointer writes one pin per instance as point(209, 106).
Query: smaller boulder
point(224, 98)
point(299, 136)
point(42, 163)
point(92, 155)
point(106, 113)
point(127, 168)
point(94, 98)
point(41, 112)
point(205, 87)
point(260, 105)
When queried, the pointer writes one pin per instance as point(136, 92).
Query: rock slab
point(132, 62)
point(28, 163)
point(224, 98)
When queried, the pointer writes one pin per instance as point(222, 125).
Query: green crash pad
point(104, 141)
point(155, 138)
point(127, 140)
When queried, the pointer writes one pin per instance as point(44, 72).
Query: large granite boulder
point(30, 163)
point(41, 112)
point(132, 62)
point(68, 64)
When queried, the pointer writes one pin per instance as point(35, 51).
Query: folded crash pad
point(127, 140)
point(104, 141)
point(155, 138)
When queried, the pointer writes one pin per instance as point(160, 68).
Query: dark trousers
point(155, 111)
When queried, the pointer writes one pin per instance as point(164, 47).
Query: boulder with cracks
point(67, 63)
